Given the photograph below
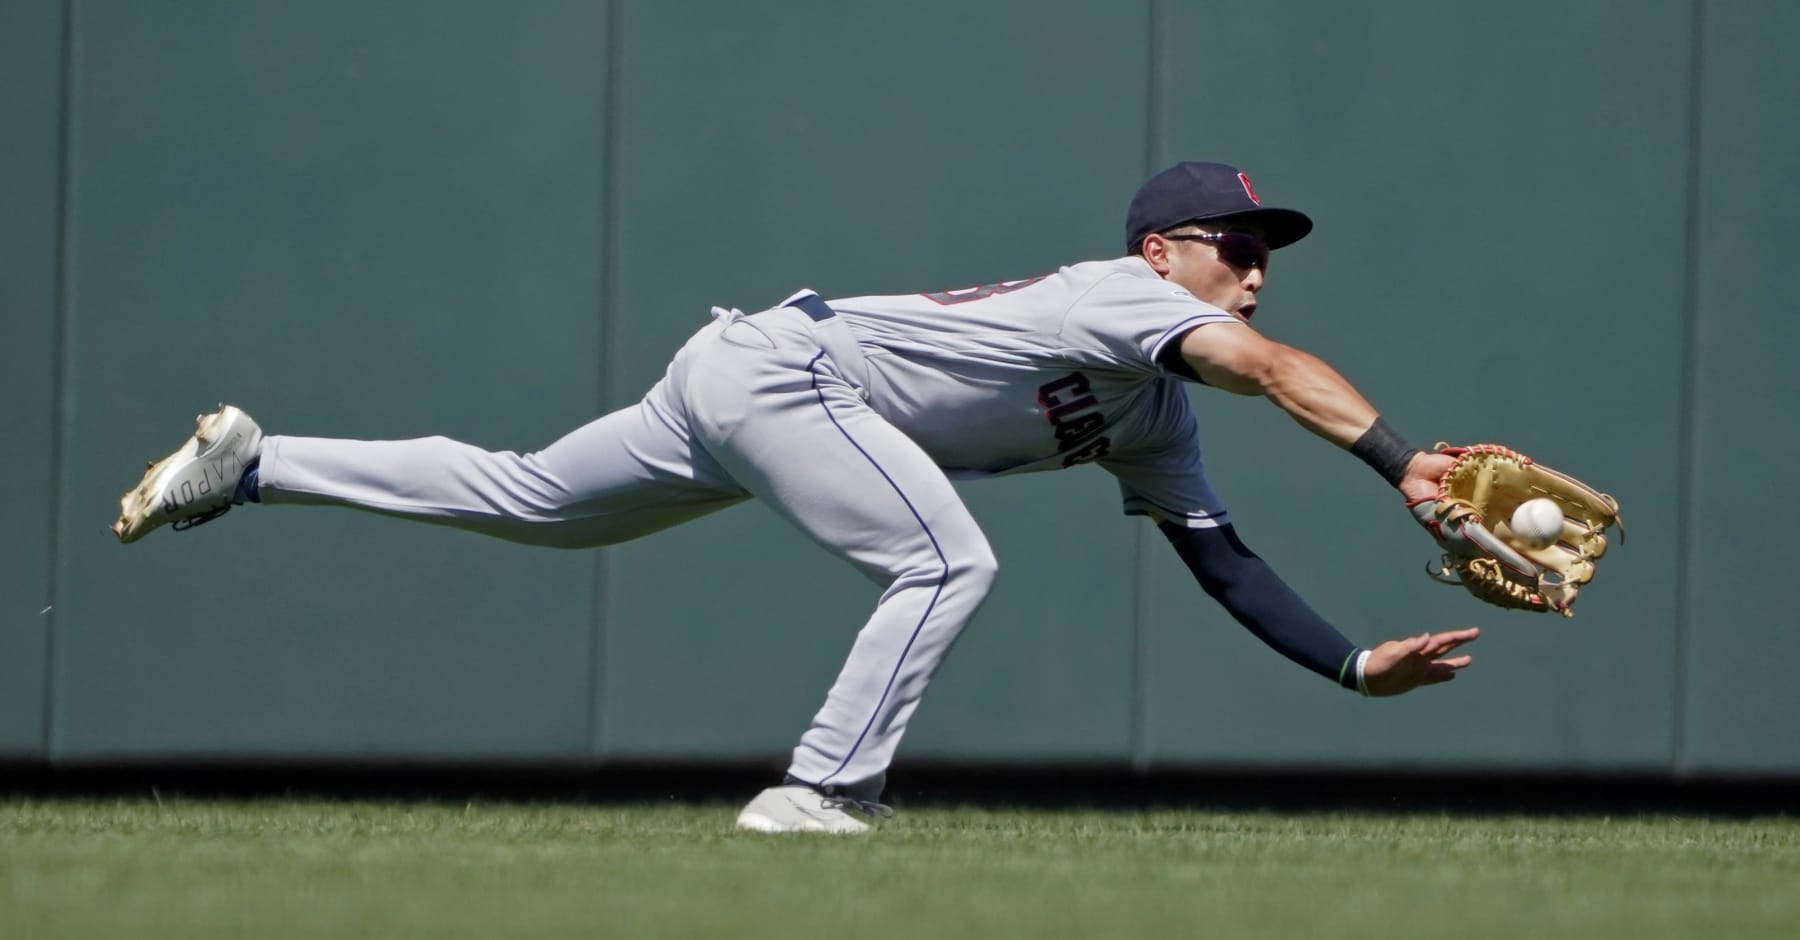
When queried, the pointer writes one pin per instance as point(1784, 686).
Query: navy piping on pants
point(889, 688)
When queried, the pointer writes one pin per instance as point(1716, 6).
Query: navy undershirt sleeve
point(1252, 593)
point(1172, 359)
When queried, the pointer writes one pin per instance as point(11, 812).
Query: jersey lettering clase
point(1045, 373)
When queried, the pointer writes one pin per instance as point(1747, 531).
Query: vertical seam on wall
point(609, 207)
point(1690, 380)
point(1139, 742)
point(59, 370)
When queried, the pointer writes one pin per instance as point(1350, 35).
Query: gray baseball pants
point(768, 406)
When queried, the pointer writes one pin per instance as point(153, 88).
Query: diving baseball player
point(850, 417)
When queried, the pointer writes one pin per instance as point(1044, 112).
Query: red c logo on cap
point(1247, 190)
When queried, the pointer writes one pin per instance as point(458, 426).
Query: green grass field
point(271, 869)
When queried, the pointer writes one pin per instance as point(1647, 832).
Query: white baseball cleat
point(198, 482)
point(803, 809)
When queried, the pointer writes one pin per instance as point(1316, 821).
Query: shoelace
point(866, 807)
point(205, 517)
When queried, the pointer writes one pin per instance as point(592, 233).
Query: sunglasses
point(1238, 249)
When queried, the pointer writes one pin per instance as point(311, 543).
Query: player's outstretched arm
point(1258, 599)
point(1237, 358)
point(1234, 357)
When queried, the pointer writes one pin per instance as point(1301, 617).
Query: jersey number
point(966, 294)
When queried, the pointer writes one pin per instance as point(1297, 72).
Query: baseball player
point(850, 417)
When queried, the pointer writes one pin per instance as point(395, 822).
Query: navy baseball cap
point(1207, 192)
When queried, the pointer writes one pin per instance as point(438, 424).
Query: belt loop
point(810, 304)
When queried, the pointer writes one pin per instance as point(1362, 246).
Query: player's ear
point(1155, 250)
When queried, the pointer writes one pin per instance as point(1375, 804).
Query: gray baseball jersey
point(1045, 373)
point(848, 419)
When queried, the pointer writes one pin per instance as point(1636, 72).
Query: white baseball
point(1537, 522)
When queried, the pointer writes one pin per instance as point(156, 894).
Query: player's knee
point(976, 568)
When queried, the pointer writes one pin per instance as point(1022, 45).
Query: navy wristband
point(1382, 448)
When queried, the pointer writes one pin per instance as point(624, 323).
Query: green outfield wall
point(1568, 226)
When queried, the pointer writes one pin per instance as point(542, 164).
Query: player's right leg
point(788, 421)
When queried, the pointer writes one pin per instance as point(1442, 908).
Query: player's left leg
point(616, 478)
point(626, 474)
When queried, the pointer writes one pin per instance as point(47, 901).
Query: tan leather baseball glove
point(1469, 518)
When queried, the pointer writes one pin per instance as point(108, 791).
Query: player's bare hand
point(1399, 666)
point(1422, 475)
